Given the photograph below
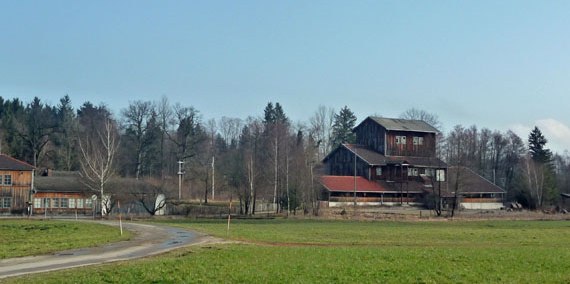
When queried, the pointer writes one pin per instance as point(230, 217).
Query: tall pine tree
point(536, 143)
point(344, 122)
point(540, 172)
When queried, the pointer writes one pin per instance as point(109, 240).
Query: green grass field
point(34, 237)
point(312, 251)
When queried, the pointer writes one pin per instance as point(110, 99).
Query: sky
point(495, 64)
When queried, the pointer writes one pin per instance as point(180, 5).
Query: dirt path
point(149, 240)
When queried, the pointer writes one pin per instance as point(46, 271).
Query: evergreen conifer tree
point(344, 122)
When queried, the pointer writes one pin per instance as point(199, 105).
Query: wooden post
point(120, 220)
point(229, 217)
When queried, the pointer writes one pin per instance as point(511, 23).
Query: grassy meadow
point(313, 251)
point(24, 237)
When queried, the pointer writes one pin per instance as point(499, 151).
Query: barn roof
point(374, 158)
point(366, 154)
point(68, 183)
point(9, 163)
point(397, 124)
point(431, 162)
point(346, 184)
point(470, 182)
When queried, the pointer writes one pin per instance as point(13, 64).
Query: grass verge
point(34, 237)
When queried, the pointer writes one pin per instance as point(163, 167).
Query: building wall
point(427, 149)
point(341, 163)
point(372, 135)
point(61, 202)
point(15, 189)
point(481, 205)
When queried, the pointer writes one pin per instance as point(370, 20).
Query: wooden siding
point(372, 135)
point(377, 138)
point(409, 149)
point(18, 190)
point(341, 163)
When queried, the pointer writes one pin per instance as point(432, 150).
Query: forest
point(171, 150)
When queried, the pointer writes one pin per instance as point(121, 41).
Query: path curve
point(148, 240)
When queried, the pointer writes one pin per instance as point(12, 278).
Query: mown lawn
point(308, 251)
point(33, 237)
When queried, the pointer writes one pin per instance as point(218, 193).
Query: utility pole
point(355, 178)
point(180, 173)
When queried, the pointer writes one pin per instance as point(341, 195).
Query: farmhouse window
point(72, 203)
point(378, 171)
point(7, 179)
point(401, 140)
point(37, 202)
point(88, 203)
point(418, 140)
point(55, 202)
point(46, 203)
point(64, 203)
point(79, 203)
point(6, 201)
point(440, 175)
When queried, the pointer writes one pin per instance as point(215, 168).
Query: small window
point(55, 202)
point(46, 203)
point(79, 203)
point(418, 140)
point(440, 175)
point(7, 179)
point(413, 172)
point(378, 171)
point(401, 140)
point(72, 203)
point(37, 203)
point(64, 203)
point(6, 202)
point(88, 203)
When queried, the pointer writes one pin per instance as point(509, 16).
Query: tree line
point(259, 159)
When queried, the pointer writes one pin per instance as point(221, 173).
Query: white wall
point(482, 206)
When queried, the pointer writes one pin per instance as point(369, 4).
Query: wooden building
point(16, 183)
point(398, 157)
point(396, 154)
point(61, 193)
point(474, 191)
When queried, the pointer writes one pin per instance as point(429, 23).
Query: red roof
point(346, 184)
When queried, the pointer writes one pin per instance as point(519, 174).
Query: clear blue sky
point(496, 64)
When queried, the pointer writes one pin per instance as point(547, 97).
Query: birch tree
point(98, 149)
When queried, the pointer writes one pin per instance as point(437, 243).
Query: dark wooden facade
point(16, 181)
point(384, 141)
point(400, 155)
point(396, 152)
point(342, 164)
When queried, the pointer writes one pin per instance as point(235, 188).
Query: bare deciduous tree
point(418, 114)
point(136, 118)
point(321, 129)
point(98, 148)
